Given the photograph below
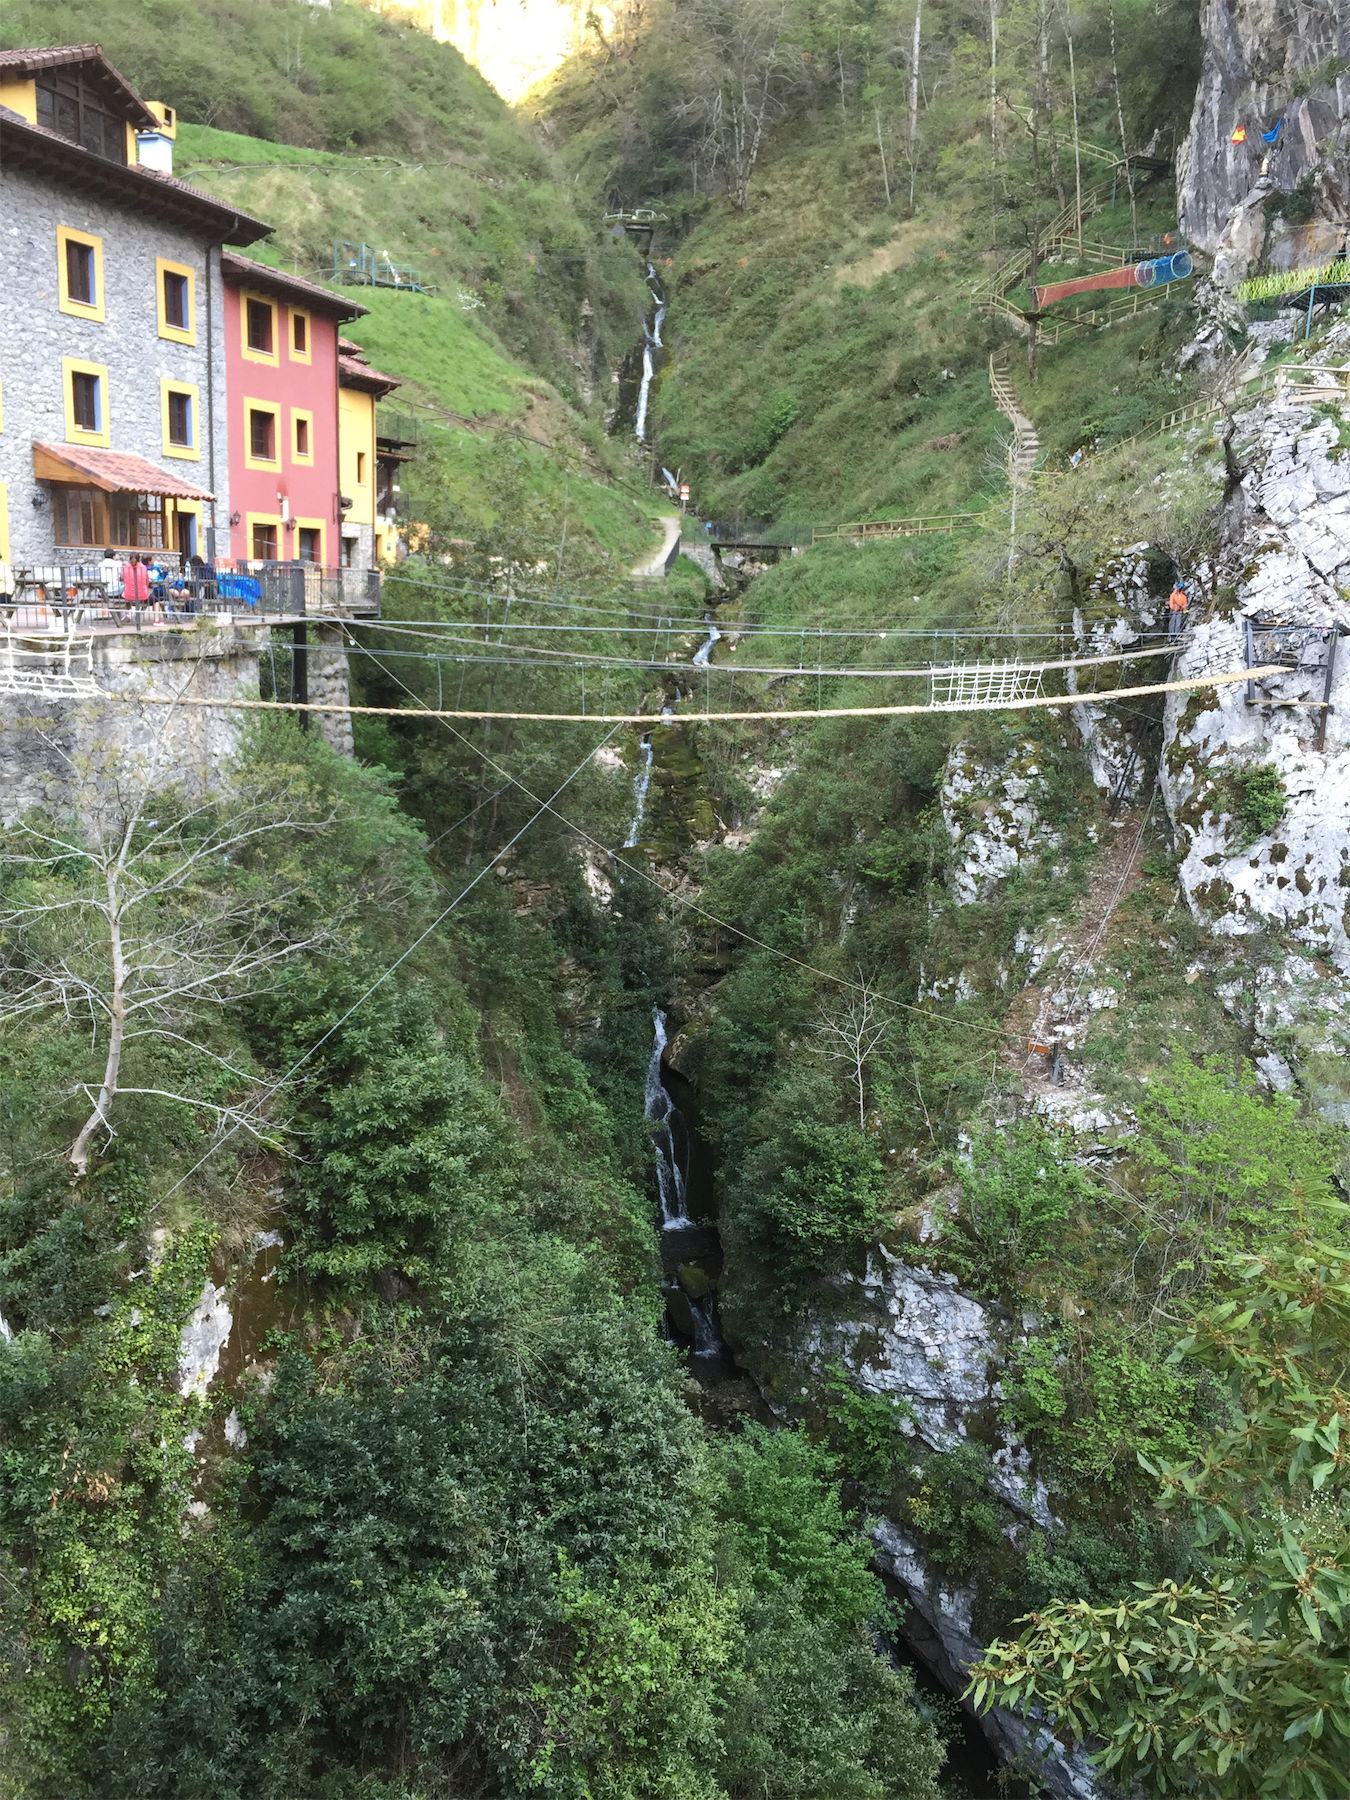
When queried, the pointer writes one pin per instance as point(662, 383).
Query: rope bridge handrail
point(57, 669)
point(677, 721)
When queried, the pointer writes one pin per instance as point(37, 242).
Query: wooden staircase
point(1026, 443)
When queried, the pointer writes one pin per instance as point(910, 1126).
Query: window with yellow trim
point(79, 273)
point(176, 300)
point(302, 436)
point(262, 435)
point(309, 540)
point(301, 335)
point(264, 536)
point(178, 412)
point(258, 328)
point(86, 397)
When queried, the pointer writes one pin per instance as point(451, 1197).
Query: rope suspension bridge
point(972, 687)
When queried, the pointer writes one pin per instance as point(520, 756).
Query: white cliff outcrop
point(914, 1336)
point(1268, 64)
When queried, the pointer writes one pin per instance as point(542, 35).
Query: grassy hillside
point(333, 77)
point(827, 362)
point(530, 302)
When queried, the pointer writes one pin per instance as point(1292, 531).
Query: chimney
point(154, 149)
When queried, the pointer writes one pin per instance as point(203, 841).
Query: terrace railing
point(240, 589)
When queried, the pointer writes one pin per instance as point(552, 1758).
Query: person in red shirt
point(136, 581)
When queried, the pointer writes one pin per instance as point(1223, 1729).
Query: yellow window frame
point(305, 458)
point(78, 309)
point(292, 314)
point(319, 525)
point(271, 357)
point(261, 462)
point(185, 452)
point(176, 334)
point(75, 434)
point(252, 519)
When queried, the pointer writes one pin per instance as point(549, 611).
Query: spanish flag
point(1239, 135)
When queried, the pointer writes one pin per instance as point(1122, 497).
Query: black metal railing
point(397, 427)
point(229, 587)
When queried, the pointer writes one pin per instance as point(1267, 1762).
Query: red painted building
point(281, 377)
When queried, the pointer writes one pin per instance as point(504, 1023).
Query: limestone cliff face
point(914, 1336)
point(1285, 569)
point(1267, 61)
point(515, 44)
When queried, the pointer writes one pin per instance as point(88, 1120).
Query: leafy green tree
point(1018, 1191)
point(780, 1500)
point(818, 1188)
point(1231, 1683)
point(1221, 1167)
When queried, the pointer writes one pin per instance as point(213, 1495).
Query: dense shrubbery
point(474, 1540)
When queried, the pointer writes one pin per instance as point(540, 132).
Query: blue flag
point(1273, 135)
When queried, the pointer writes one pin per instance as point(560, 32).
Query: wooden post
point(1250, 648)
point(1333, 645)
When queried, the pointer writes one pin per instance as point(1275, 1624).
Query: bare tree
point(137, 928)
point(852, 1029)
point(913, 151)
point(736, 72)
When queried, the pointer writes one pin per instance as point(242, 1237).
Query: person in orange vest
point(1178, 604)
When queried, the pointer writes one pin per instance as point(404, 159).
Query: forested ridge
point(449, 1510)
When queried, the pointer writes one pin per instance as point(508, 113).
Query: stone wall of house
point(36, 337)
point(53, 751)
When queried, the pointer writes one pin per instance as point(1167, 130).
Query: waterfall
point(651, 335)
point(706, 1340)
point(642, 781)
point(705, 649)
point(662, 1116)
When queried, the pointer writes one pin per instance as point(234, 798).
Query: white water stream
point(651, 343)
point(705, 649)
point(642, 781)
point(662, 1116)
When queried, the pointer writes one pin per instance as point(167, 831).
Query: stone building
point(114, 429)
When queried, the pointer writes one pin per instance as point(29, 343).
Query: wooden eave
point(37, 151)
point(122, 98)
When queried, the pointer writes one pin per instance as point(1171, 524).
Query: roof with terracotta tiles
point(353, 373)
point(30, 61)
point(115, 471)
point(243, 269)
point(24, 145)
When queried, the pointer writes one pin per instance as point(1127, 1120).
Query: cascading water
point(691, 1305)
point(663, 1117)
point(704, 652)
point(651, 335)
point(642, 782)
